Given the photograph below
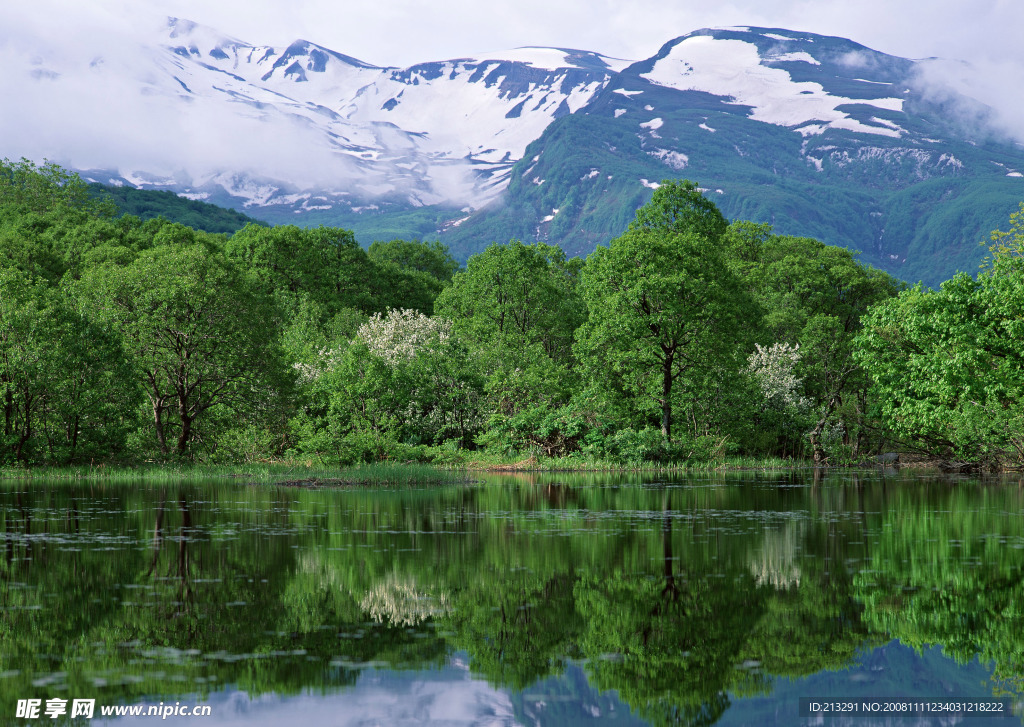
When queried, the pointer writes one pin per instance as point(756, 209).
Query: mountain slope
point(148, 204)
point(818, 136)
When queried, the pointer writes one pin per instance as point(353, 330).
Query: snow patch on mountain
point(264, 122)
point(734, 69)
point(550, 59)
point(673, 159)
point(796, 57)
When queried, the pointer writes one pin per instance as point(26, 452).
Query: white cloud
point(402, 32)
point(115, 114)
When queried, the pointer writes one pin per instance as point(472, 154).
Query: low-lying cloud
point(97, 95)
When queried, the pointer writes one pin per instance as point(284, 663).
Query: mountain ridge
point(881, 172)
point(819, 135)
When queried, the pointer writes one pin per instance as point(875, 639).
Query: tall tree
point(65, 388)
point(948, 363)
point(200, 336)
point(432, 258)
point(814, 296)
point(679, 206)
point(517, 306)
point(517, 295)
point(664, 308)
point(324, 263)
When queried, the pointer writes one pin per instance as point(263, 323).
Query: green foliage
point(198, 335)
point(517, 295)
point(431, 258)
point(947, 364)
point(64, 382)
point(404, 382)
point(326, 265)
point(813, 296)
point(123, 337)
point(646, 446)
point(414, 273)
point(517, 306)
point(24, 187)
point(667, 321)
point(680, 207)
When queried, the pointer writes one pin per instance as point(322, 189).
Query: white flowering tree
point(773, 368)
point(399, 335)
point(404, 379)
point(400, 601)
point(782, 413)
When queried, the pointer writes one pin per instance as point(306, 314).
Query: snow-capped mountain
point(445, 132)
point(818, 135)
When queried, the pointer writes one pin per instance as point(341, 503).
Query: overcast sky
point(402, 32)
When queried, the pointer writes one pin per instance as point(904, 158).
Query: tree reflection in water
point(679, 597)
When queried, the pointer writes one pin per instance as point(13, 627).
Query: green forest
point(686, 339)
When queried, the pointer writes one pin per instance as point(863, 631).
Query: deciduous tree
point(198, 333)
point(664, 309)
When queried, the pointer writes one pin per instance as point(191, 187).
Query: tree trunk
point(186, 430)
point(161, 438)
point(74, 437)
point(666, 399)
point(815, 434)
point(8, 413)
point(26, 432)
point(18, 453)
point(819, 451)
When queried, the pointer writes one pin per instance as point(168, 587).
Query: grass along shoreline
point(384, 474)
point(293, 473)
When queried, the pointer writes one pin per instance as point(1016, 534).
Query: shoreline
point(308, 474)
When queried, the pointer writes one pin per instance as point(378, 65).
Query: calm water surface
point(552, 600)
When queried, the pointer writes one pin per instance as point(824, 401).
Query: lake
point(550, 599)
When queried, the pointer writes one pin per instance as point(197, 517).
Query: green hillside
point(900, 205)
point(149, 204)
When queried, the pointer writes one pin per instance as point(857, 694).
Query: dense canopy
point(687, 338)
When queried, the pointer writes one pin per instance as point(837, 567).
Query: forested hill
point(148, 204)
